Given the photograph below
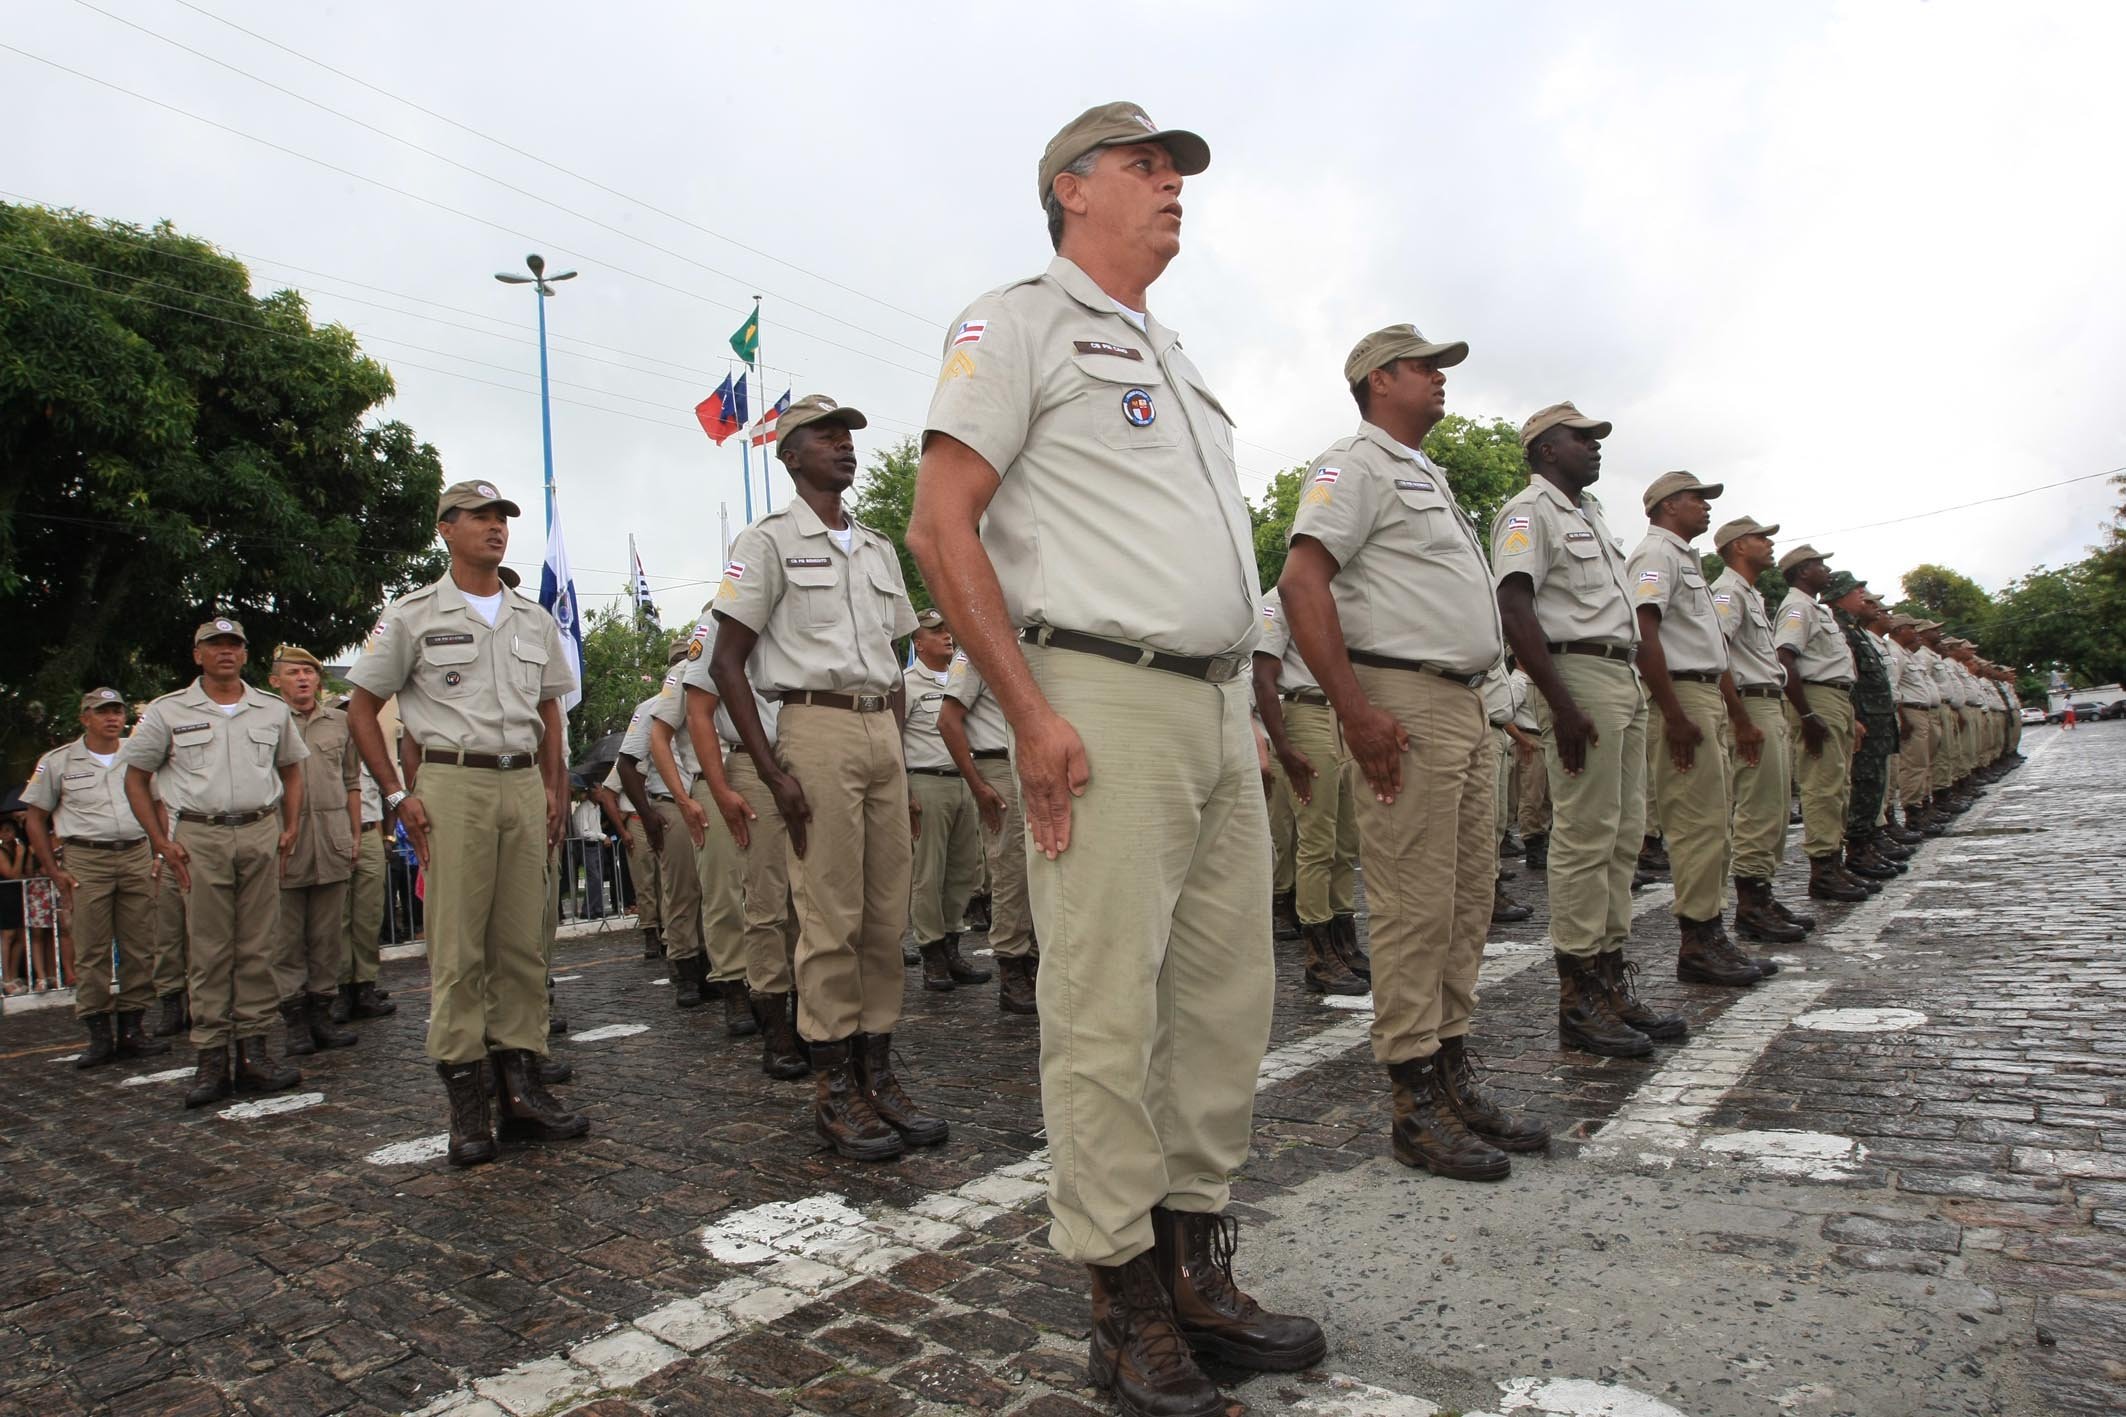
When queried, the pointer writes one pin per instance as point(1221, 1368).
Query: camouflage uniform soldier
point(1875, 710)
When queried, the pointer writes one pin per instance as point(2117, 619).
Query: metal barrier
point(596, 885)
point(45, 957)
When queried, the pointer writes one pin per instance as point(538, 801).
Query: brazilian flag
point(746, 338)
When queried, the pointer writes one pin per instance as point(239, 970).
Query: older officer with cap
point(308, 958)
point(678, 832)
point(1683, 660)
point(76, 794)
point(821, 597)
point(1079, 518)
point(234, 784)
point(972, 725)
point(948, 842)
point(1567, 612)
point(1760, 764)
point(479, 671)
point(1383, 574)
point(1819, 715)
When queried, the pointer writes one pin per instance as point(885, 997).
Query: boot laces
point(1151, 1316)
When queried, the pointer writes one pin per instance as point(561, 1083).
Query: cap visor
point(1587, 425)
point(1443, 356)
point(1190, 153)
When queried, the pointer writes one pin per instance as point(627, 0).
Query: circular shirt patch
point(453, 678)
point(1137, 408)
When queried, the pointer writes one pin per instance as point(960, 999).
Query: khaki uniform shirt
point(1908, 681)
point(1751, 656)
point(216, 762)
point(987, 729)
point(666, 705)
point(1524, 702)
point(1667, 574)
point(1968, 683)
point(694, 674)
point(921, 744)
point(324, 838)
point(1276, 641)
point(1807, 627)
point(1119, 511)
point(86, 799)
point(614, 785)
point(1575, 564)
point(826, 618)
point(1411, 581)
point(1498, 693)
point(462, 683)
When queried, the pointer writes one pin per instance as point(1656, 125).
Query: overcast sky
point(1858, 261)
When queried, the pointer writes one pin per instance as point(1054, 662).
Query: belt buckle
point(507, 760)
point(1224, 667)
point(870, 703)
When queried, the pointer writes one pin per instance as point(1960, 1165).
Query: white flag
point(557, 596)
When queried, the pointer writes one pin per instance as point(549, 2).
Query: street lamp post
point(545, 284)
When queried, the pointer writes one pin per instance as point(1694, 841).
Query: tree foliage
point(1960, 603)
point(172, 446)
point(623, 663)
point(885, 499)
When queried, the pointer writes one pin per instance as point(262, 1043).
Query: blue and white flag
point(557, 597)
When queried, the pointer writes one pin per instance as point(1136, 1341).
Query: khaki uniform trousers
point(1826, 778)
point(642, 870)
point(1327, 827)
point(1431, 862)
point(309, 946)
point(679, 882)
point(1505, 785)
point(232, 917)
point(1758, 794)
point(488, 882)
point(1534, 806)
point(1005, 853)
point(1653, 803)
point(1156, 969)
point(114, 899)
point(1694, 804)
point(1941, 770)
point(948, 855)
point(1598, 817)
point(1915, 755)
point(770, 940)
point(167, 972)
point(851, 885)
point(1284, 832)
point(363, 923)
point(718, 871)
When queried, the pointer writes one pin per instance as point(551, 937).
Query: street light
point(545, 284)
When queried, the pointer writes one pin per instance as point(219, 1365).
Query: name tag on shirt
point(1579, 536)
point(1094, 346)
point(1412, 484)
point(802, 561)
point(457, 639)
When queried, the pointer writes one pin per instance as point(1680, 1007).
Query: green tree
point(1960, 603)
point(172, 446)
point(2072, 620)
point(1483, 462)
point(1272, 522)
point(885, 498)
point(623, 663)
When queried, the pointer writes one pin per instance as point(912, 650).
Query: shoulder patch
point(1515, 543)
point(959, 366)
point(970, 332)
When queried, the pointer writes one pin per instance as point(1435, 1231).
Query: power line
point(1963, 506)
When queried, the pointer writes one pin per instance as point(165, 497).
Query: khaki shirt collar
point(1391, 444)
point(1087, 292)
point(1546, 488)
point(809, 523)
point(195, 696)
point(1673, 540)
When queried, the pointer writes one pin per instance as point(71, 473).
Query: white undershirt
point(1135, 317)
point(487, 607)
point(845, 538)
point(231, 709)
point(104, 758)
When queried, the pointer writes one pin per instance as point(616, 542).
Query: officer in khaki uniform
point(167, 966)
point(363, 923)
point(234, 787)
point(1819, 717)
point(1504, 700)
point(310, 953)
point(1532, 804)
point(642, 866)
point(1316, 780)
point(1917, 697)
point(479, 671)
point(1387, 595)
point(820, 596)
point(948, 843)
point(1567, 612)
point(1683, 661)
point(678, 832)
point(1078, 494)
point(973, 728)
point(76, 794)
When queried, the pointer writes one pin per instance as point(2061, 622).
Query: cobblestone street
point(1890, 1181)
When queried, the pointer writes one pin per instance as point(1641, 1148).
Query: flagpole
point(746, 459)
point(760, 367)
point(723, 519)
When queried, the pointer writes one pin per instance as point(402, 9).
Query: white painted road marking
point(167, 1075)
point(270, 1106)
point(611, 1030)
point(1813, 1156)
point(411, 1153)
point(1860, 1020)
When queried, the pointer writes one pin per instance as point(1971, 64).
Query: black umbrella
point(596, 763)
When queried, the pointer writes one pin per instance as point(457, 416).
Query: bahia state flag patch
point(970, 332)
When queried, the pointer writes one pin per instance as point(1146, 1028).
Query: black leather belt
point(981, 755)
point(1842, 685)
point(224, 819)
point(1415, 666)
point(1212, 669)
point(1693, 676)
point(501, 762)
point(821, 698)
point(71, 842)
point(1921, 707)
point(1306, 696)
point(1760, 691)
point(937, 772)
point(1591, 647)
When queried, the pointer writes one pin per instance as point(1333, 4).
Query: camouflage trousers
point(1871, 777)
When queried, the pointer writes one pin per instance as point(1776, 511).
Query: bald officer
point(233, 783)
point(1079, 518)
point(1386, 590)
point(972, 725)
point(479, 671)
point(1567, 613)
point(308, 960)
point(1683, 661)
point(948, 844)
point(821, 597)
point(1819, 716)
point(76, 799)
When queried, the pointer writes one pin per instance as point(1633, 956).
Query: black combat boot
point(1653, 856)
point(1861, 861)
point(102, 1047)
point(937, 968)
point(1430, 1135)
point(256, 1071)
point(318, 1015)
point(295, 1015)
point(1325, 971)
point(133, 1040)
point(368, 1001)
point(1587, 1018)
point(961, 971)
point(1537, 853)
point(472, 1125)
point(1706, 956)
point(343, 1004)
point(873, 1058)
point(1284, 915)
point(690, 979)
point(528, 1111)
point(1505, 910)
point(555, 1024)
point(1827, 882)
point(1620, 977)
point(1462, 1085)
point(842, 1113)
point(1015, 991)
point(780, 1057)
point(176, 1018)
point(976, 915)
point(552, 1071)
point(1137, 1354)
point(652, 943)
point(211, 1082)
point(1755, 918)
point(1194, 1254)
point(1344, 936)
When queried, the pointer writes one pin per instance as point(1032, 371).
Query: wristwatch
point(392, 800)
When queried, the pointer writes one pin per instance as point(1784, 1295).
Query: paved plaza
point(1890, 1181)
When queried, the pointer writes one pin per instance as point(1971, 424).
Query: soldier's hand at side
point(556, 818)
point(1052, 770)
point(990, 803)
point(1749, 742)
point(180, 863)
point(1860, 734)
point(1683, 740)
point(1299, 772)
point(1575, 732)
point(414, 817)
point(64, 879)
point(697, 820)
point(796, 811)
point(653, 832)
point(736, 812)
point(915, 820)
point(1377, 742)
point(288, 835)
point(1813, 736)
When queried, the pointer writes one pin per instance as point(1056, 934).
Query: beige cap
point(296, 654)
point(1803, 552)
point(931, 619)
point(468, 496)
point(1108, 125)
point(102, 698)
point(1556, 416)
point(1739, 527)
point(219, 625)
point(1668, 484)
point(1384, 347)
point(816, 408)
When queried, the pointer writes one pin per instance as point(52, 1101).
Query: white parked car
point(2033, 715)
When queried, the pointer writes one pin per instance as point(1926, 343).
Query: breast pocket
point(527, 660)
point(1124, 405)
point(265, 742)
point(1693, 583)
point(191, 746)
point(1584, 568)
point(447, 670)
point(1429, 520)
point(817, 591)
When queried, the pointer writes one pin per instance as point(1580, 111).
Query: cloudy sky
point(1860, 261)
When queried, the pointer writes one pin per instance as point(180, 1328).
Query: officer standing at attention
point(1568, 618)
point(1892, 841)
point(972, 725)
point(642, 873)
point(1819, 716)
point(233, 757)
point(1917, 698)
point(77, 794)
point(1385, 588)
point(821, 596)
point(479, 671)
point(1875, 731)
point(1683, 661)
point(309, 954)
point(1505, 699)
point(363, 923)
point(1533, 805)
point(1079, 518)
point(677, 830)
point(948, 842)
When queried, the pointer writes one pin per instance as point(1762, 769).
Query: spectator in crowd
point(14, 866)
